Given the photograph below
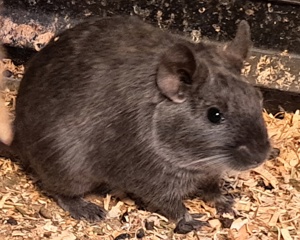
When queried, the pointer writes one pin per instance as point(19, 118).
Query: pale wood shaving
point(285, 234)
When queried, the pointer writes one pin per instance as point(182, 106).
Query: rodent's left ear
point(241, 44)
point(175, 70)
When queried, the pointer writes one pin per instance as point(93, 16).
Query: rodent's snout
point(253, 155)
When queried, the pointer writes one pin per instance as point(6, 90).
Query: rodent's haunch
point(119, 102)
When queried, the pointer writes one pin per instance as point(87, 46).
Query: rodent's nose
point(247, 155)
point(244, 150)
point(255, 155)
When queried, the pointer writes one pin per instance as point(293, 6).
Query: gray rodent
point(119, 102)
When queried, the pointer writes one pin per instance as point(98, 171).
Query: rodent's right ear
point(241, 44)
point(176, 69)
point(259, 95)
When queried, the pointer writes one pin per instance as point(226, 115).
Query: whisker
point(207, 161)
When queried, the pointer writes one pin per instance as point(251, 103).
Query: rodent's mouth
point(244, 164)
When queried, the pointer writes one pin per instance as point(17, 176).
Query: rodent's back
point(86, 92)
point(97, 61)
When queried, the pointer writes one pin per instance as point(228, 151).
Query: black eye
point(214, 115)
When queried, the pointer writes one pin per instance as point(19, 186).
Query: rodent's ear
point(241, 44)
point(175, 70)
point(259, 95)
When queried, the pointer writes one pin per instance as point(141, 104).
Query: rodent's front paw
point(224, 205)
point(184, 226)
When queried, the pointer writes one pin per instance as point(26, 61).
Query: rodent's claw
point(90, 212)
point(184, 226)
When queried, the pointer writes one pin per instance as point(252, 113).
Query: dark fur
point(93, 108)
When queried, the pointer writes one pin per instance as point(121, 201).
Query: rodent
point(119, 102)
point(6, 130)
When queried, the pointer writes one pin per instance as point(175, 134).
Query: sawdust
point(24, 34)
point(275, 70)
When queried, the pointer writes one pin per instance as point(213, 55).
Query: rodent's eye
point(214, 115)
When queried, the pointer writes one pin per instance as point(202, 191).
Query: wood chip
point(215, 223)
point(115, 210)
point(3, 199)
point(243, 206)
point(106, 202)
point(268, 176)
point(286, 234)
point(238, 223)
point(274, 219)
